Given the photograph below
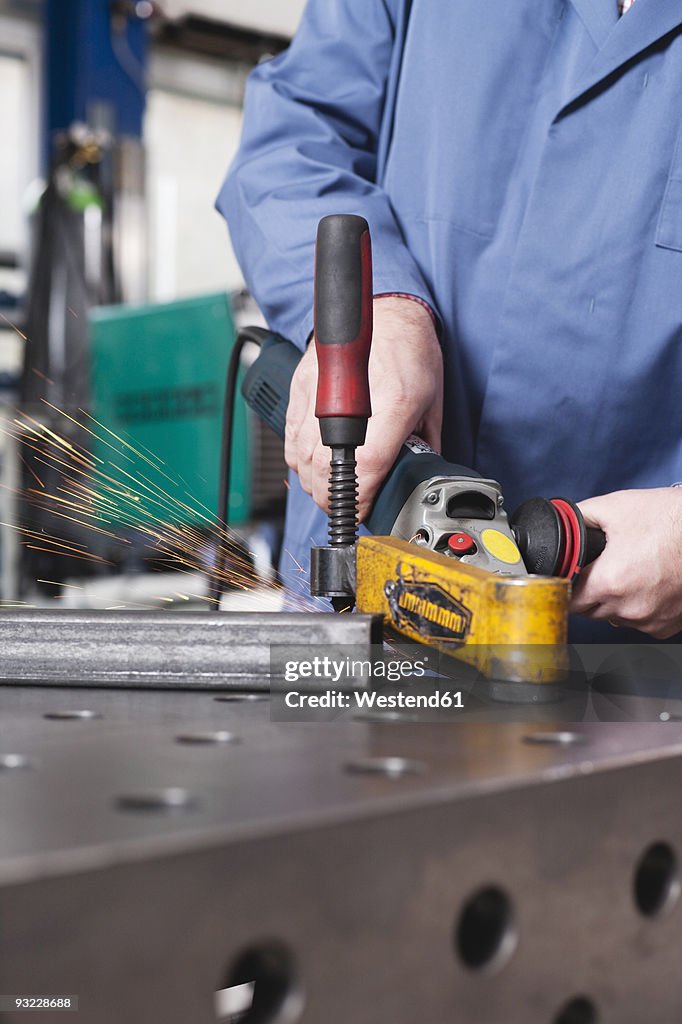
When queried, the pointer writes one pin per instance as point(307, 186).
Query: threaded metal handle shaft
point(343, 498)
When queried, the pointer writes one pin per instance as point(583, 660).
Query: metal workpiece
point(380, 872)
point(167, 650)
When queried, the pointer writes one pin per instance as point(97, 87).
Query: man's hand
point(637, 580)
point(406, 385)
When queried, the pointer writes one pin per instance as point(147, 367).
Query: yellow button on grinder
point(501, 547)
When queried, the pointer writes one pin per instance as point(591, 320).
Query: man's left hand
point(637, 580)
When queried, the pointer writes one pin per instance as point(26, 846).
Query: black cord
point(256, 336)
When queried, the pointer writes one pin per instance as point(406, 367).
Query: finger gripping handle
point(595, 542)
point(343, 316)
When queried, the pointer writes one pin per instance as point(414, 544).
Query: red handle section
point(343, 317)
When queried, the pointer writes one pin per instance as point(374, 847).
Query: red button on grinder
point(461, 544)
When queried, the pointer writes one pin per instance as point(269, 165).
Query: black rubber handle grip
point(339, 286)
point(595, 542)
point(343, 316)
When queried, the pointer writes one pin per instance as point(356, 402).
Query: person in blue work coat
point(520, 166)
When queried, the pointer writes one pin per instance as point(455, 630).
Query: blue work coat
point(520, 166)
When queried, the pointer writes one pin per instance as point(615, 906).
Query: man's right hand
point(406, 385)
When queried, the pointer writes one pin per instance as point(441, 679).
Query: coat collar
point(640, 27)
point(598, 17)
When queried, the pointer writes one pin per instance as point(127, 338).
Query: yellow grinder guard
point(512, 628)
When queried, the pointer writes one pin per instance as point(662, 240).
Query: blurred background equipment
point(72, 268)
point(119, 294)
point(158, 378)
point(269, 17)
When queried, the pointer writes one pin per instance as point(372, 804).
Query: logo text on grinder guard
point(426, 607)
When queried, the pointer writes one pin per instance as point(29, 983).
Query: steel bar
point(192, 650)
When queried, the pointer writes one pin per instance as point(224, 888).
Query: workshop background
point(119, 122)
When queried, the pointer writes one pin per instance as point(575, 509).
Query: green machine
point(158, 384)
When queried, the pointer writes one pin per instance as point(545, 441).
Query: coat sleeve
point(313, 124)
